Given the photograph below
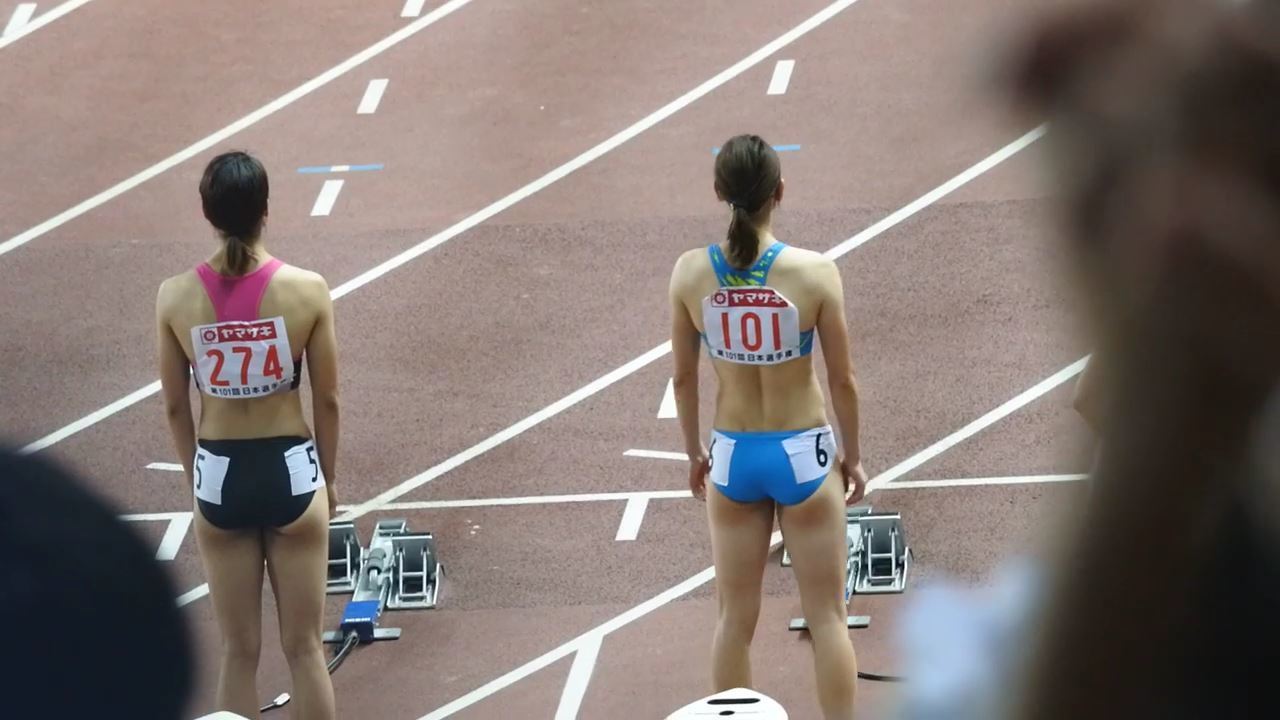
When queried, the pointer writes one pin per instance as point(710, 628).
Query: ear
point(719, 196)
point(777, 193)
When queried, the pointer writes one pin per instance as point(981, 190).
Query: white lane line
point(210, 141)
point(528, 500)
point(153, 517)
point(193, 594)
point(31, 25)
point(633, 515)
point(979, 482)
point(639, 363)
point(667, 409)
point(575, 687)
point(92, 418)
point(781, 77)
point(673, 593)
point(372, 96)
point(173, 536)
point(600, 150)
point(327, 197)
point(169, 467)
point(475, 219)
point(21, 16)
point(657, 454)
point(990, 418)
point(939, 192)
point(412, 8)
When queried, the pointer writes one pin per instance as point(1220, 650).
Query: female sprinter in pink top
point(263, 484)
point(756, 304)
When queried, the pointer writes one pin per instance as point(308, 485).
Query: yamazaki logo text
point(748, 298)
point(233, 332)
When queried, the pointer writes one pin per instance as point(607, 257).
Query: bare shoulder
point(812, 264)
point(688, 266)
point(307, 282)
point(174, 288)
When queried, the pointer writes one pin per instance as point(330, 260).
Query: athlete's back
point(777, 395)
point(297, 296)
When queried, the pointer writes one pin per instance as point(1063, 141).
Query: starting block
point(344, 557)
point(398, 571)
point(739, 703)
point(878, 561)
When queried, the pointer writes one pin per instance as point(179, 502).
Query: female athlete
point(756, 304)
point(263, 485)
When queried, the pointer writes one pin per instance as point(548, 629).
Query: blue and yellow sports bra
point(745, 321)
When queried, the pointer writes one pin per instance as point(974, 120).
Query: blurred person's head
point(91, 626)
point(1165, 135)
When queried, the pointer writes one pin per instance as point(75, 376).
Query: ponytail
point(743, 240)
point(747, 176)
point(238, 254)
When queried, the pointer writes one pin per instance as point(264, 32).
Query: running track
point(955, 309)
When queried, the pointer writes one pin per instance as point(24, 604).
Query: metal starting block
point(344, 557)
point(398, 571)
point(878, 560)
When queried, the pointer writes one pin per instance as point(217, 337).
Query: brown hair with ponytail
point(747, 176)
point(233, 193)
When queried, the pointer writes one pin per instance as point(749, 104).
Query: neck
point(259, 256)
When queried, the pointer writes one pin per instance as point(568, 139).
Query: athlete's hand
point(699, 466)
point(333, 499)
point(855, 481)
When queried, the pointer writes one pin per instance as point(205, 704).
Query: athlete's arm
point(175, 382)
point(834, 335)
point(322, 364)
point(685, 342)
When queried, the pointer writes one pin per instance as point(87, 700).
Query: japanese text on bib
point(242, 359)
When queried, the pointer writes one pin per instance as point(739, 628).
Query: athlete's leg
point(297, 562)
point(814, 533)
point(233, 564)
point(740, 546)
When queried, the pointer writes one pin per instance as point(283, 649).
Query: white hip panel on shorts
point(304, 468)
point(811, 453)
point(210, 474)
point(721, 456)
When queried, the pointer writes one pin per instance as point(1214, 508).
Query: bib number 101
point(750, 329)
point(271, 366)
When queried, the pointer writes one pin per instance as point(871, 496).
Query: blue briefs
point(786, 467)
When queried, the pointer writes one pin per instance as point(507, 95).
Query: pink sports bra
point(240, 354)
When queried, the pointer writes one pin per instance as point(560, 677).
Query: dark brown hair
point(234, 193)
point(747, 175)
point(1163, 117)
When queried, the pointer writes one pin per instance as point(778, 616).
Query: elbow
point(176, 410)
point(843, 383)
point(684, 381)
point(326, 402)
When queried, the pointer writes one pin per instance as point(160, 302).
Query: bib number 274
point(271, 366)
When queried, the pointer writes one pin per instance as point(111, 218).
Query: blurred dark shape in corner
point(1164, 134)
point(90, 623)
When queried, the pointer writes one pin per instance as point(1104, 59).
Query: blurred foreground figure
point(1165, 132)
point(1162, 603)
point(91, 626)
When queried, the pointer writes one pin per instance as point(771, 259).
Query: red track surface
point(953, 312)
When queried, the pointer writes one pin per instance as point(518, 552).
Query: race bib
point(304, 468)
point(242, 359)
point(811, 454)
point(210, 474)
point(751, 325)
point(721, 456)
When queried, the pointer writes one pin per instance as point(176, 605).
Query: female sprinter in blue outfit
point(756, 304)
